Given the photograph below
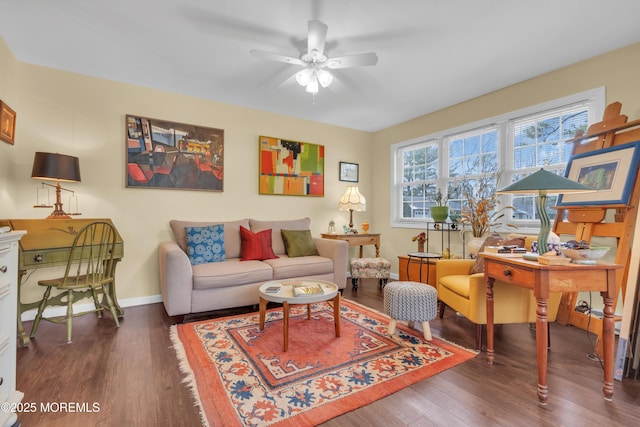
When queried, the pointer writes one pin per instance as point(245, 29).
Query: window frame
point(595, 98)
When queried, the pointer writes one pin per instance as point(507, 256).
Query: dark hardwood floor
point(132, 375)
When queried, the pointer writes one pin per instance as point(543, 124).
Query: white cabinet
point(9, 396)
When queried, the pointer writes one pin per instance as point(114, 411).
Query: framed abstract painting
point(290, 168)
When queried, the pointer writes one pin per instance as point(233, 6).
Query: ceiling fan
point(315, 61)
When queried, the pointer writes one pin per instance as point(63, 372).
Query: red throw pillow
point(256, 246)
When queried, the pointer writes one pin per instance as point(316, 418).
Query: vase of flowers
point(420, 238)
point(440, 211)
point(479, 210)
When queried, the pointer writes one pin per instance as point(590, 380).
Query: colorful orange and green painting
point(291, 168)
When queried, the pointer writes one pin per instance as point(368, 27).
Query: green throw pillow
point(298, 243)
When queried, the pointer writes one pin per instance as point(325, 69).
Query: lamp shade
point(56, 166)
point(545, 181)
point(542, 183)
point(352, 200)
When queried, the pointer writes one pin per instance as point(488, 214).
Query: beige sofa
point(231, 283)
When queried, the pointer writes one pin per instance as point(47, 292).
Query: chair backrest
point(90, 261)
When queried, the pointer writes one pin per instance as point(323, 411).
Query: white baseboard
point(61, 310)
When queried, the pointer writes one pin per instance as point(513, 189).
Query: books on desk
point(506, 250)
point(307, 289)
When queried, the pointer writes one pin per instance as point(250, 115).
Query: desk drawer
point(53, 257)
point(509, 274)
point(361, 241)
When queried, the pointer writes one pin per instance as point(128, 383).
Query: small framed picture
point(349, 172)
point(7, 123)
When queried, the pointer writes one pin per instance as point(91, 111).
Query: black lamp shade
point(56, 167)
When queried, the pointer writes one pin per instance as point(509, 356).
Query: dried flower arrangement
point(479, 211)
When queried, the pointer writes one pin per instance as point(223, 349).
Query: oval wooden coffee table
point(282, 291)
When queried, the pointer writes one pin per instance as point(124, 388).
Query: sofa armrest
point(176, 279)
point(338, 251)
point(453, 267)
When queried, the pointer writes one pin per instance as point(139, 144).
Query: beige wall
point(617, 71)
point(85, 117)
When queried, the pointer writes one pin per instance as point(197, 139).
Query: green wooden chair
point(90, 271)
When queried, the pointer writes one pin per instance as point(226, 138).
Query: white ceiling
point(432, 53)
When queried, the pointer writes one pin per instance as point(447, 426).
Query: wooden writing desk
point(543, 279)
point(48, 244)
point(357, 240)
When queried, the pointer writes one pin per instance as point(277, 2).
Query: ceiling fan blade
point(357, 60)
point(316, 38)
point(276, 57)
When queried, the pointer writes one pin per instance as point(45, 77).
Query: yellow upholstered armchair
point(465, 293)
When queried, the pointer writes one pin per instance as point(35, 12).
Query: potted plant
point(440, 211)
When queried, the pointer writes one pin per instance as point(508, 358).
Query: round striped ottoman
point(411, 301)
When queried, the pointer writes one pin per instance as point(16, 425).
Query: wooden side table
point(543, 279)
point(357, 240)
point(417, 269)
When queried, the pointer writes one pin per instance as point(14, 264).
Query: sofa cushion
point(286, 267)
point(256, 246)
point(494, 240)
point(298, 243)
point(205, 244)
point(231, 234)
point(276, 237)
point(230, 273)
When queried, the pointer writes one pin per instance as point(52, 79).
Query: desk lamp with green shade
point(542, 183)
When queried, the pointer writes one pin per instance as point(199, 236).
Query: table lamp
point(542, 183)
point(56, 167)
point(351, 201)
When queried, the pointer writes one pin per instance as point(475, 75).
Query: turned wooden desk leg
point(490, 351)
point(608, 334)
point(263, 312)
point(377, 250)
point(361, 252)
point(542, 337)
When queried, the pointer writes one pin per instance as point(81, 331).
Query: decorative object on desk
point(351, 201)
point(299, 387)
point(421, 239)
point(7, 123)
point(440, 211)
point(349, 172)
point(611, 171)
point(365, 227)
point(56, 167)
point(332, 227)
point(542, 183)
point(587, 255)
point(172, 155)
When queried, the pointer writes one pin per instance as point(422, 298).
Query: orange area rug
point(240, 375)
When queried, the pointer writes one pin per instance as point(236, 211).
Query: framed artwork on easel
point(611, 171)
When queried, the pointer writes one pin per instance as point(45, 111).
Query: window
point(516, 144)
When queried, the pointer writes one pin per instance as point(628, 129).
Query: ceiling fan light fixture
point(303, 77)
point(333, 63)
point(324, 77)
point(312, 87)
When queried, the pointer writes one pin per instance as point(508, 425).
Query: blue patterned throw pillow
point(205, 244)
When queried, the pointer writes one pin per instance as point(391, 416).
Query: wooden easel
point(586, 222)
